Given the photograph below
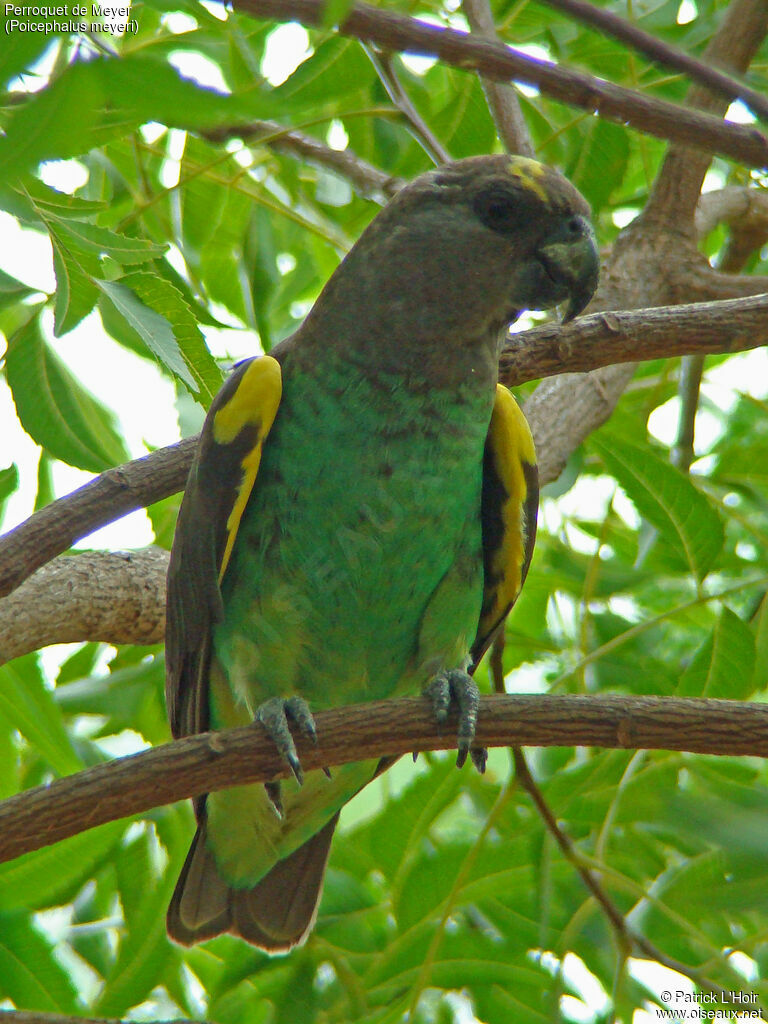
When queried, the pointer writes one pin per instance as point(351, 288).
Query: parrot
point(359, 519)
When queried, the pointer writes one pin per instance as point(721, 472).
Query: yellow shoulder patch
point(254, 405)
point(510, 497)
point(530, 173)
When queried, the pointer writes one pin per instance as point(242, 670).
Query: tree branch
point(116, 597)
point(212, 761)
point(366, 179)
point(662, 53)
point(677, 187)
point(604, 339)
point(501, 98)
point(502, 63)
point(102, 500)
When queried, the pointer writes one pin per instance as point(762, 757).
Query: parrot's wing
point(510, 499)
point(220, 482)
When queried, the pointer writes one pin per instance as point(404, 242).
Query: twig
point(629, 941)
point(368, 180)
point(502, 99)
point(392, 31)
point(420, 130)
point(212, 761)
point(662, 53)
point(691, 370)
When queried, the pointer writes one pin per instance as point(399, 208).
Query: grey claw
point(298, 709)
point(274, 714)
point(461, 687)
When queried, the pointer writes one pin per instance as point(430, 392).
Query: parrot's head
point(523, 229)
point(456, 256)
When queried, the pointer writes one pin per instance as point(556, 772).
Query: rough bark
point(211, 761)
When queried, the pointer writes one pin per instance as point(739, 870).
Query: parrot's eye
point(501, 210)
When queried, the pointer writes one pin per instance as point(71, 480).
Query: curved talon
point(274, 714)
point(461, 687)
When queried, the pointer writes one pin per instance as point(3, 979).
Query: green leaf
point(122, 248)
point(724, 664)
point(30, 973)
point(154, 329)
point(55, 874)
point(159, 294)
point(9, 481)
point(667, 499)
point(76, 292)
point(56, 410)
point(28, 704)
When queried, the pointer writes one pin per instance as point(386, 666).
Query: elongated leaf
point(122, 248)
point(54, 874)
point(152, 328)
point(29, 706)
point(76, 292)
point(667, 499)
point(159, 294)
point(30, 974)
point(56, 410)
point(724, 664)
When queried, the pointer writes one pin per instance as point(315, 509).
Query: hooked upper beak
point(571, 259)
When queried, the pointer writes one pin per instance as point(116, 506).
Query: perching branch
point(212, 761)
point(502, 63)
point(701, 328)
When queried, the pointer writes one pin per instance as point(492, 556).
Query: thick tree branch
point(502, 63)
point(102, 500)
point(117, 597)
point(700, 328)
point(212, 761)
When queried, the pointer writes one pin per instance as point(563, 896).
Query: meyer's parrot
point(360, 517)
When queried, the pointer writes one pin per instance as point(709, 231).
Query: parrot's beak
point(571, 259)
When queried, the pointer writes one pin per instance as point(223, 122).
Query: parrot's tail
point(276, 914)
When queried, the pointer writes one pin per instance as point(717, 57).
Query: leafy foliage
point(445, 890)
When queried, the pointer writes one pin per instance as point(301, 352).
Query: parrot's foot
point(275, 714)
point(460, 687)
